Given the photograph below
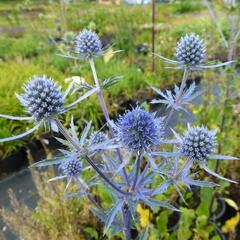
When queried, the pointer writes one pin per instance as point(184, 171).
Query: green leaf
point(216, 237)
point(36, 216)
point(186, 220)
point(92, 232)
point(162, 221)
point(206, 196)
point(203, 228)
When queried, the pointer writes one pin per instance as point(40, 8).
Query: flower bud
point(197, 143)
point(190, 50)
point(42, 97)
point(88, 44)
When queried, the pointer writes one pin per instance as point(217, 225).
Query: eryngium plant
point(130, 161)
point(98, 137)
point(138, 130)
point(42, 98)
point(198, 143)
point(190, 54)
point(44, 102)
point(191, 50)
point(88, 44)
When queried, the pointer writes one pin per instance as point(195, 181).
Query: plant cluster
point(135, 160)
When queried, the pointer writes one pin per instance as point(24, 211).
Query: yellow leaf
point(107, 57)
point(231, 223)
point(231, 203)
point(144, 215)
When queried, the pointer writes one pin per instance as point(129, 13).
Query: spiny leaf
point(111, 215)
point(47, 162)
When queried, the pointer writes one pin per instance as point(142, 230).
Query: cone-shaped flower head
point(88, 44)
point(72, 168)
point(97, 137)
point(198, 142)
point(190, 50)
point(42, 98)
point(138, 129)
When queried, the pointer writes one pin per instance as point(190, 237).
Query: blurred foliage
point(53, 218)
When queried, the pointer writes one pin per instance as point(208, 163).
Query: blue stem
point(126, 214)
point(183, 84)
point(138, 165)
point(105, 111)
point(125, 210)
point(65, 133)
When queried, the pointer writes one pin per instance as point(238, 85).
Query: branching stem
point(89, 196)
point(125, 211)
point(183, 84)
point(105, 111)
point(65, 133)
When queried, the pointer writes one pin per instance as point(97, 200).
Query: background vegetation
point(31, 37)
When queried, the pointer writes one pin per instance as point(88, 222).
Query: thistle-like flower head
point(190, 50)
point(88, 44)
point(139, 130)
point(190, 54)
point(72, 168)
point(198, 143)
point(97, 137)
point(42, 98)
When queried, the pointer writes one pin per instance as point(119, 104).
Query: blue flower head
point(97, 137)
point(88, 44)
point(139, 130)
point(198, 143)
point(190, 50)
point(191, 54)
point(42, 98)
point(72, 168)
